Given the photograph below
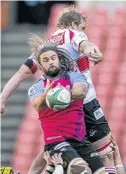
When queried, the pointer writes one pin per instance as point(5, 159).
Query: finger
point(74, 166)
point(113, 139)
point(93, 60)
point(49, 86)
point(110, 153)
point(56, 155)
point(83, 164)
point(48, 82)
point(52, 160)
point(44, 153)
point(95, 55)
point(112, 146)
point(96, 50)
point(60, 155)
point(52, 156)
point(59, 85)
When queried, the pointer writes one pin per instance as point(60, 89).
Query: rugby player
point(64, 130)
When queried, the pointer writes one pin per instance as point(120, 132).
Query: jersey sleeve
point(36, 90)
point(77, 77)
point(31, 65)
point(77, 39)
point(34, 59)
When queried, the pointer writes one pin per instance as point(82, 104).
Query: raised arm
point(80, 86)
point(80, 43)
point(117, 158)
point(25, 71)
point(92, 51)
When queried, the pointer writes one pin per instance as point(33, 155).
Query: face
point(50, 63)
point(81, 26)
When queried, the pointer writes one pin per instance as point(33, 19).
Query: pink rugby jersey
point(67, 123)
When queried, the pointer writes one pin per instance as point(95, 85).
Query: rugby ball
point(58, 98)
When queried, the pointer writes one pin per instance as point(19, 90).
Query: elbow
point(83, 46)
point(24, 72)
point(84, 95)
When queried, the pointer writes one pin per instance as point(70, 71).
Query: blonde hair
point(69, 15)
point(35, 42)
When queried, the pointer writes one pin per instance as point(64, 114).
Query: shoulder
point(36, 89)
point(74, 75)
point(38, 84)
point(40, 81)
point(77, 77)
point(80, 34)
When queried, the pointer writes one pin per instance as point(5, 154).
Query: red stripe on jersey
point(104, 147)
point(33, 68)
point(71, 34)
point(83, 63)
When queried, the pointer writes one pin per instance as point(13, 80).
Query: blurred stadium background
point(21, 136)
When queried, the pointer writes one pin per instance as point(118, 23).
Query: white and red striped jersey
point(70, 40)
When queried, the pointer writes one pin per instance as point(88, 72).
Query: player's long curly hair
point(39, 46)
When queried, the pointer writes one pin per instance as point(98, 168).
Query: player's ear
point(73, 25)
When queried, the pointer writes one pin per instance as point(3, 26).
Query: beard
point(52, 72)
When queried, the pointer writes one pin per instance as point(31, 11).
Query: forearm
point(38, 165)
point(41, 103)
point(80, 92)
point(120, 170)
point(13, 83)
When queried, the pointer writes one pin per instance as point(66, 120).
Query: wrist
point(50, 164)
point(119, 161)
point(2, 100)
